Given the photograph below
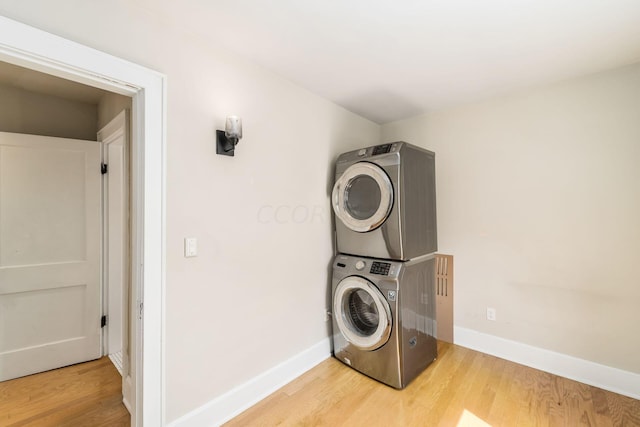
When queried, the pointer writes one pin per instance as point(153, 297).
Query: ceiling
point(34, 81)
point(388, 60)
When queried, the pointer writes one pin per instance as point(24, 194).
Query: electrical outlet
point(491, 314)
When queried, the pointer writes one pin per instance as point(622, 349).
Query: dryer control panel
point(381, 149)
point(366, 152)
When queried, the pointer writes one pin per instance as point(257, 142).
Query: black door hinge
point(104, 168)
point(103, 321)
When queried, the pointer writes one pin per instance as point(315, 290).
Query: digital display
point(381, 268)
point(381, 149)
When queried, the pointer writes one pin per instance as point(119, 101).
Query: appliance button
point(362, 152)
point(360, 265)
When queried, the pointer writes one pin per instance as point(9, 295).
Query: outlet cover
point(190, 247)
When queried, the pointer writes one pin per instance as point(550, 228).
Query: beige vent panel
point(444, 297)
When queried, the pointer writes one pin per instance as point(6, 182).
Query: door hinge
point(103, 321)
point(104, 168)
point(140, 310)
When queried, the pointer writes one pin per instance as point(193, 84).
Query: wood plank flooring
point(88, 394)
point(463, 388)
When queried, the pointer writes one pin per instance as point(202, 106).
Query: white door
point(50, 219)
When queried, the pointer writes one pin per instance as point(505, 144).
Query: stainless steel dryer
point(384, 199)
point(383, 316)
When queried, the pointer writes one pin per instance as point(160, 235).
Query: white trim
point(584, 371)
point(126, 400)
point(118, 305)
point(235, 401)
point(115, 304)
point(116, 359)
point(38, 50)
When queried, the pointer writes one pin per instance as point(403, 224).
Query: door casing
point(117, 306)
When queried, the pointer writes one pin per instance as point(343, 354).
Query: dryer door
point(363, 197)
point(362, 313)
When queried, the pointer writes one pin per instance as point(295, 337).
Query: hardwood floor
point(88, 394)
point(463, 388)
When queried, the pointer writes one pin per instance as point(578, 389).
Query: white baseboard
point(127, 392)
point(584, 371)
point(232, 403)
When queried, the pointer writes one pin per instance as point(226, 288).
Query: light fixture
point(227, 139)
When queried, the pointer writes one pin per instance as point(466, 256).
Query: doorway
point(64, 248)
point(35, 49)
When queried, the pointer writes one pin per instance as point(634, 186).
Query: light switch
point(190, 247)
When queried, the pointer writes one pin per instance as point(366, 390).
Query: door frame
point(38, 50)
point(116, 301)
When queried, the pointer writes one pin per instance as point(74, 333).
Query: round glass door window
point(363, 197)
point(362, 313)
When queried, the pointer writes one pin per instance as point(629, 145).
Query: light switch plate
point(190, 247)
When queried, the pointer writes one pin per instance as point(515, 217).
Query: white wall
point(256, 293)
point(23, 111)
point(539, 202)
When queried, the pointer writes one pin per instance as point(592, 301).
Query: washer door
point(363, 197)
point(362, 313)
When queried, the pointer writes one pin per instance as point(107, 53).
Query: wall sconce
point(227, 139)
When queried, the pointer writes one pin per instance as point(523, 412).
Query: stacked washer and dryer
point(384, 202)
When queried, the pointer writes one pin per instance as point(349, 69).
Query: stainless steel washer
point(383, 316)
point(384, 200)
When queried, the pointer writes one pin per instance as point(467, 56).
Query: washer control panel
point(364, 266)
point(381, 268)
